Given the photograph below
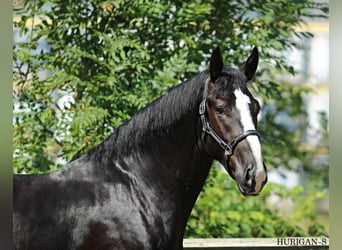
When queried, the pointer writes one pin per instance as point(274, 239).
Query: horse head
point(229, 118)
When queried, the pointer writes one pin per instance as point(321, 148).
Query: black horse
point(137, 188)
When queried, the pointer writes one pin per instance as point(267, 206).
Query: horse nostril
point(248, 174)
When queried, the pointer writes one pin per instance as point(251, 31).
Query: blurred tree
point(104, 60)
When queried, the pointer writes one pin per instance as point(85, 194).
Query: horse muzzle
point(252, 181)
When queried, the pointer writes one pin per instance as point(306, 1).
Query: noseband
point(228, 148)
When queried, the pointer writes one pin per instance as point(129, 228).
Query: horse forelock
point(232, 79)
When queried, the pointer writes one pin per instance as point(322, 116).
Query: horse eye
point(219, 110)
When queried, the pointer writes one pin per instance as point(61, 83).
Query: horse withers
point(136, 189)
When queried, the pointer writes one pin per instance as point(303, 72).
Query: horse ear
point(216, 64)
point(250, 66)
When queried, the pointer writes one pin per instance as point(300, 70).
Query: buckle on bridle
point(202, 107)
point(227, 155)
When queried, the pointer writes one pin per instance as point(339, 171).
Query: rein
point(228, 148)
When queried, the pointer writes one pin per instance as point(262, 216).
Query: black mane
point(156, 120)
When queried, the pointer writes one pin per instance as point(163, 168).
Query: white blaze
point(242, 102)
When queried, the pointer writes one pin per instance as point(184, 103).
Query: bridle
point(228, 148)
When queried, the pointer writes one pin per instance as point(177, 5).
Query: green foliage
point(285, 120)
point(107, 59)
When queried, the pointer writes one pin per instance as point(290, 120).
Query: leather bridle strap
point(228, 148)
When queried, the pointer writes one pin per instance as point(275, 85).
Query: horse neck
point(159, 147)
point(163, 137)
point(177, 177)
point(164, 144)
point(178, 164)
